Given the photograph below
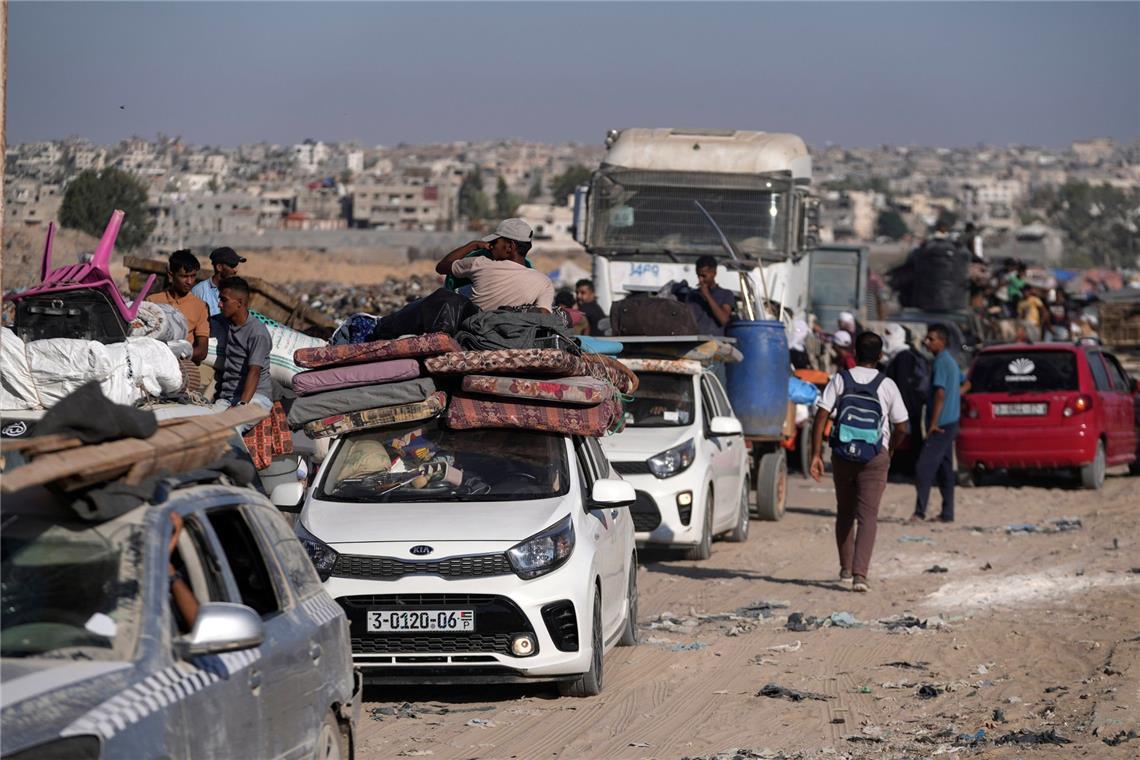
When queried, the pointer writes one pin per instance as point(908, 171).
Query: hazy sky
point(851, 73)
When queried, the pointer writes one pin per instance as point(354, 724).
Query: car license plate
point(1019, 410)
point(385, 621)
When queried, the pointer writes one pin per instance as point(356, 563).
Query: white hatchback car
point(517, 564)
point(683, 450)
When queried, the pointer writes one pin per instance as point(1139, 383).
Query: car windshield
point(69, 588)
point(662, 400)
point(1024, 371)
point(647, 212)
point(429, 462)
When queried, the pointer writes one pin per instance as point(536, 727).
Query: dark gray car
point(98, 661)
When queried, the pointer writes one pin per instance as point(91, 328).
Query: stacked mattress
point(357, 386)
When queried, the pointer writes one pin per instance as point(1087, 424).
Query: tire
point(771, 485)
point(969, 478)
point(739, 532)
point(629, 631)
point(703, 550)
point(589, 684)
point(330, 740)
point(805, 451)
point(1092, 474)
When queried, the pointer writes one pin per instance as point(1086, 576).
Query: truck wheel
point(739, 532)
point(771, 485)
point(703, 550)
point(589, 684)
point(1092, 474)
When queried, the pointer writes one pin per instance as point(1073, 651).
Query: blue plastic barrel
point(758, 385)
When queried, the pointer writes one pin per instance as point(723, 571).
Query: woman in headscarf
point(910, 371)
point(796, 348)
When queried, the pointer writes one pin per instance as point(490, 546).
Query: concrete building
point(406, 202)
point(310, 155)
point(29, 203)
point(1094, 151)
point(182, 216)
point(550, 223)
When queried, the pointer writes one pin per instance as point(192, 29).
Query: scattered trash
point(638, 744)
point(936, 569)
point(696, 646)
point(916, 539)
point(1013, 700)
point(999, 715)
point(840, 721)
point(1051, 689)
point(864, 689)
point(903, 621)
point(1136, 570)
point(1021, 528)
point(1121, 737)
point(415, 753)
point(1025, 736)
point(843, 620)
point(1056, 525)
point(907, 665)
point(799, 623)
point(793, 647)
point(868, 739)
point(1062, 524)
point(987, 566)
point(928, 691)
point(773, 691)
point(971, 740)
point(403, 711)
point(739, 753)
point(480, 723)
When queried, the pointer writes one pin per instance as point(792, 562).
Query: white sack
point(17, 389)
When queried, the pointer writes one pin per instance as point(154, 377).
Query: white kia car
point(683, 450)
point(509, 556)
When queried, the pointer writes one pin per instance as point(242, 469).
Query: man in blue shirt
point(225, 261)
point(936, 461)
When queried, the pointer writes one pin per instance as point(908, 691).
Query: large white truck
point(639, 217)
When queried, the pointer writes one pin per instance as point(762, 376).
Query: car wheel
point(330, 740)
point(739, 532)
point(589, 684)
point(703, 550)
point(771, 485)
point(629, 632)
point(1092, 474)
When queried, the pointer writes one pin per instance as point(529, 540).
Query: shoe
point(844, 575)
point(860, 584)
point(942, 519)
point(916, 519)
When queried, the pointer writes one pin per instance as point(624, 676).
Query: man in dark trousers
point(859, 485)
point(244, 346)
point(936, 460)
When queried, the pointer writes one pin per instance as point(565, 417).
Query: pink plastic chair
point(95, 274)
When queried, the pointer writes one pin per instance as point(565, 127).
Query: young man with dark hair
point(711, 304)
point(859, 482)
point(503, 279)
point(936, 460)
point(588, 304)
point(225, 261)
point(181, 274)
point(243, 350)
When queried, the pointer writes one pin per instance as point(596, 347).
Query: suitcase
point(85, 313)
point(649, 315)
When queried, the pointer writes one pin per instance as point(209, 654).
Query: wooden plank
point(44, 444)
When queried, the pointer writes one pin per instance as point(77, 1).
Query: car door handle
point(254, 679)
point(315, 651)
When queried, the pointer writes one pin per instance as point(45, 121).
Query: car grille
point(427, 643)
point(473, 566)
point(646, 516)
point(631, 468)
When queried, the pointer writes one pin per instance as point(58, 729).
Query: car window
point(662, 400)
point(601, 463)
point(1116, 374)
point(197, 564)
point(247, 564)
point(427, 461)
point(1025, 371)
point(1099, 373)
point(294, 561)
point(721, 397)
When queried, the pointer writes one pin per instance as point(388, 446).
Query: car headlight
point(544, 551)
point(675, 460)
point(323, 556)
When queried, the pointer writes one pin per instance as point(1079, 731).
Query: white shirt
point(504, 283)
point(894, 411)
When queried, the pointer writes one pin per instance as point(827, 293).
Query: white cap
point(512, 229)
point(841, 338)
point(846, 318)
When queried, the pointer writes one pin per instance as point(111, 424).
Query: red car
point(1048, 406)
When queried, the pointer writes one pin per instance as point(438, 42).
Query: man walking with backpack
point(869, 424)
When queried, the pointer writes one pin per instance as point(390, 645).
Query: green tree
point(472, 201)
point(564, 184)
point(1098, 222)
point(890, 224)
point(92, 197)
point(505, 201)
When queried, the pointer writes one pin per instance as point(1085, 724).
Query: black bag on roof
point(442, 311)
point(650, 315)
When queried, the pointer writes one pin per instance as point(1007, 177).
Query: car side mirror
point(612, 492)
point(725, 426)
point(221, 627)
point(287, 496)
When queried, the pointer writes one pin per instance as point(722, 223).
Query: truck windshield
point(649, 212)
point(662, 400)
point(69, 589)
point(429, 462)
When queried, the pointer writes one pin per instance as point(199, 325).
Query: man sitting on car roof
point(503, 279)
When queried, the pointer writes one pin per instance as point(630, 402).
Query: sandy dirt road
point(1026, 631)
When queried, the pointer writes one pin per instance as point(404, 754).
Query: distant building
point(180, 217)
point(30, 203)
point(310, 155)
point(1094, 151)
point(550, 223)
point(406, 202)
